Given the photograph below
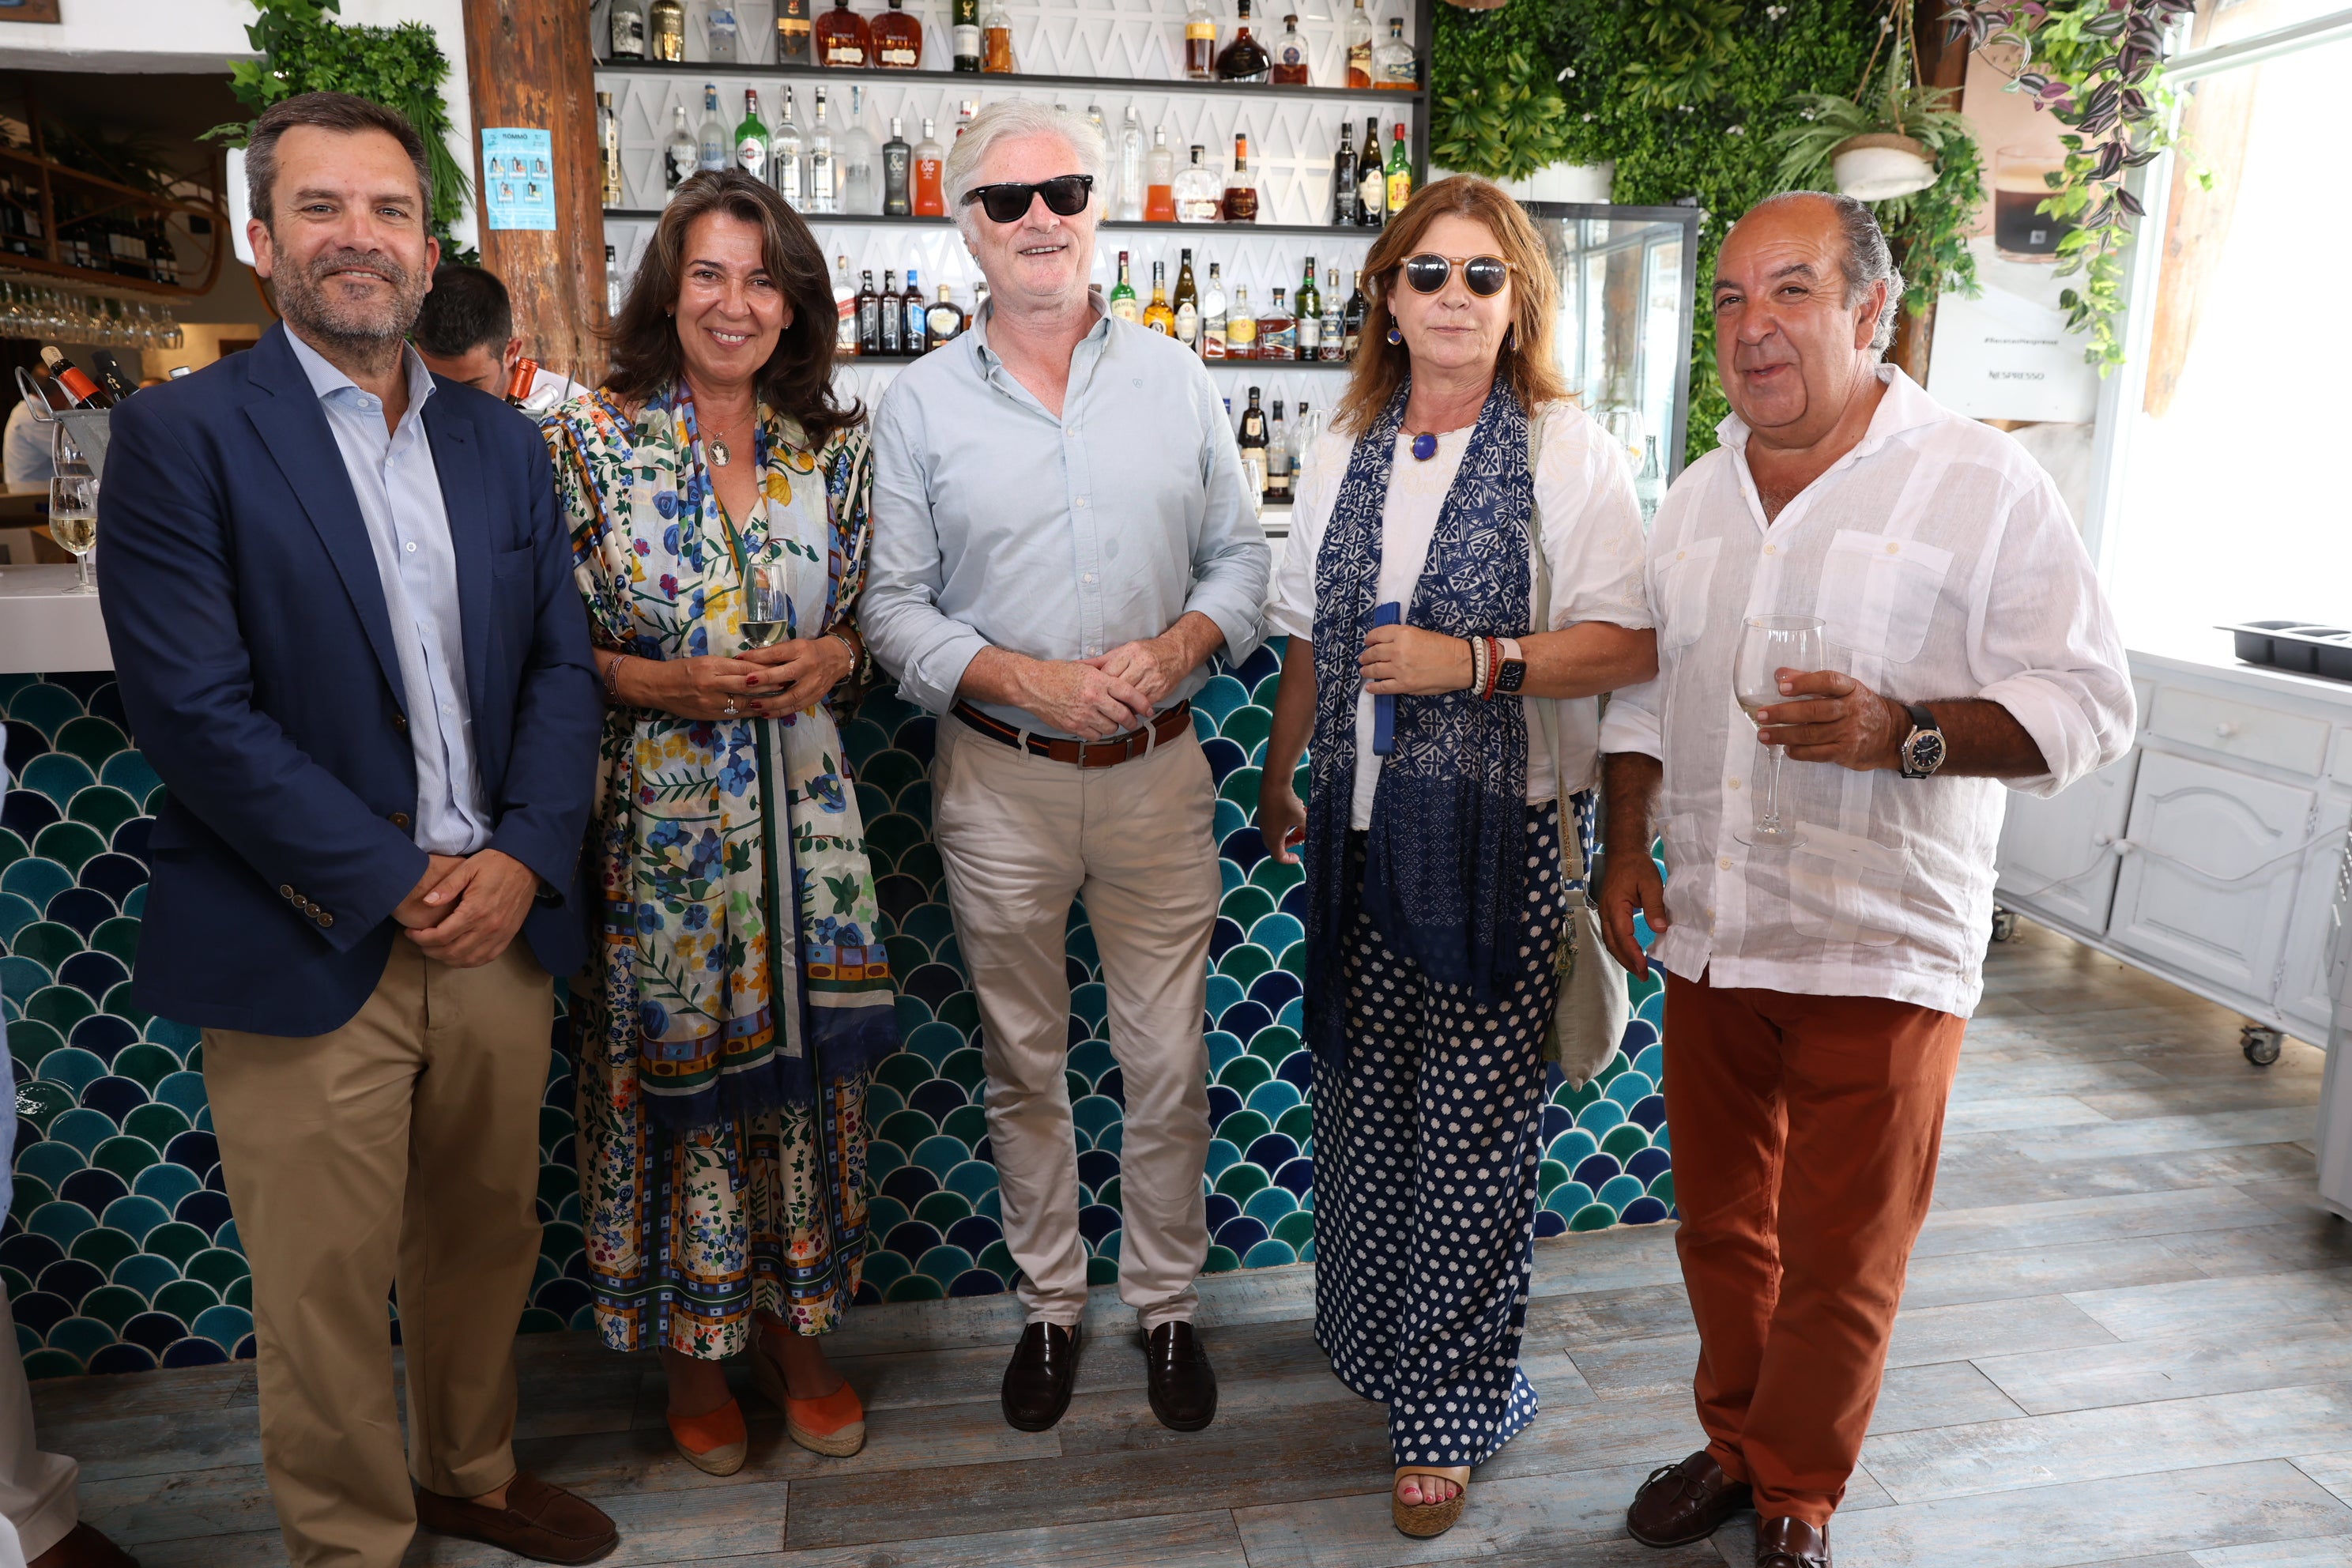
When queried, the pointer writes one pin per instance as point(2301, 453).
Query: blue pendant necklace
point(1424, 447)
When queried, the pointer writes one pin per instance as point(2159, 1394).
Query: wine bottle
point(1123, 295)
point(1310, 316)
point(966, 34)
point(1371, 179)
point(1187, 303)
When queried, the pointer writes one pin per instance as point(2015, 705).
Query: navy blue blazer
point(256, 661)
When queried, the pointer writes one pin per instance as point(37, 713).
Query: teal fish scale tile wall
point(119, 1252)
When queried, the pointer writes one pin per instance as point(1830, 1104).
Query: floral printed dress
point(739, 995)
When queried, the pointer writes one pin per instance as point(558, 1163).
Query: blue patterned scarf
point(1445, 857)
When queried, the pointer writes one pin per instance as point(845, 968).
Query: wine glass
point(73, 521)
point(1769, 644)
point(767, 603)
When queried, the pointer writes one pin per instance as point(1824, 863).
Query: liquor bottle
point(1123, 295)
point(914, 308)
point(1278, 456)
point(1394, 65)
point(898, 170)
point(751, 137)
point(1335, 322)
point(608, 149)
point(966, 34)
point(1200, 43)
point(1253, 446)
point(713, 148)
point(1277, 331)
point(519, 380)
point(787, 160)
point(862, 175)
point(844, 303)
point(1304, 434)
point(869, 316)
point(943, 322)
point(1241, 187)
point(1213, 316)
point(792, 33)
point(1290, 55)
point(1343, 178)
point(1310, 315)
point(996, 40)
point(680, 156)
point(1371, 179)
point(1159, 180)
point(1240, 326)
point(1650, 481)
point(1360, 46)
point(1400, 173)
point(1199, 196)
point(1352, 322)
point(930, 194)
point(964, 113)
point(666, 30)
point(1131, 162)
point(109, 372)
point(1187, 303)
point(843, 38)
point(1244, 58)
point(627, 36)
point(898, 39)
point(1157, 315)
point(823, 197)
point(890, 314)
point(612, 290)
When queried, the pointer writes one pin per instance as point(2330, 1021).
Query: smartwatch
point(1512, 673)
point(1922, 751)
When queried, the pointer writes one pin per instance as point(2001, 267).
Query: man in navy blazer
point(342, 617)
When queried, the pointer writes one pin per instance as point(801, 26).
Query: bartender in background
point(465, 332)
point(25, 457)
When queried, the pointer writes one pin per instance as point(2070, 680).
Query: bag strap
point(1547, 717)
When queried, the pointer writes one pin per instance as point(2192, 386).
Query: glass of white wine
point(767, 603)
point(73, 522)
point(1769, 644)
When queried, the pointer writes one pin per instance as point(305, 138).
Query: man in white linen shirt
point(1816, 994)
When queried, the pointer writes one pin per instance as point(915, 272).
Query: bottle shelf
point(844, 361)
point(1120, 84)
point(818, 220)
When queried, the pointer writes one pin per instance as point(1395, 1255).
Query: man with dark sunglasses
point(1062, 538)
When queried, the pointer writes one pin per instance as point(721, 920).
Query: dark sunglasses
point(1065, 196)
point(1485, 275)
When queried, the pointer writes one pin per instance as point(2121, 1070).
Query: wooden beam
point(529, 63)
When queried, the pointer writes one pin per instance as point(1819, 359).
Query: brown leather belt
point(1104, 754)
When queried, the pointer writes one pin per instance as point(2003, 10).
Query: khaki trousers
point(1021, 835)
point(1806, 1131)
point(38, 1505)
point(404, 1146)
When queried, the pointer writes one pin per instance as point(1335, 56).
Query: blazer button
point(326, 919)
point(399, 722)
point(399, 820)
point(285, 893)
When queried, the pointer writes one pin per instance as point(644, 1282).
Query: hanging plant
point(2097, 65)
point(1504, 122)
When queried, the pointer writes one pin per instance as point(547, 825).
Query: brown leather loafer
point(1790, 1543)
point(1038, 1379)
point(84, 1547)
point(542, 1522)
point(1181, 1383)
point(1685, 1502)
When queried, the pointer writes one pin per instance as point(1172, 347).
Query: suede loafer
point(1685, 1502)
point(542, 1522)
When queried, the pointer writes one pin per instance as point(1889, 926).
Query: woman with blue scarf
point(739, 994)
point(1460, 495)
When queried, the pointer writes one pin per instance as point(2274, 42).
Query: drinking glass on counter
point(73, 520)
point(1769, 644)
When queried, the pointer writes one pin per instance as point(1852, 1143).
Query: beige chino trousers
point(404, 1145)
point(1021, 835)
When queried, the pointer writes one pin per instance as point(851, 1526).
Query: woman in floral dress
point(740, 996)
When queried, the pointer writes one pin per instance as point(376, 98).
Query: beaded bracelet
point(1494, 666)
point(1478, 665)
point(613, 678)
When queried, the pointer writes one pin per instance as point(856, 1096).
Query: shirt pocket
point(1847, 889)
point(1684, 581)
point(1878, 595)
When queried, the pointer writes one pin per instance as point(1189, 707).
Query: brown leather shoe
point(1790, 1543)
point(84, 1547)
point(1038, 1380)
point(542, 1522)
point(1182, 1384)
point(1685, 1502)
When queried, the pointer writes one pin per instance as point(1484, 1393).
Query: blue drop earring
point(1395, 336)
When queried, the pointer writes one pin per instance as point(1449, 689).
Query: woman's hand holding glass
point(800, 671)
point(1407, 661)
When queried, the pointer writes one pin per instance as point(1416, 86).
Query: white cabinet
point(2208, 856)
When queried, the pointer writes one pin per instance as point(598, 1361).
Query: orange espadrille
point(834, 1425)
point(714, 1442)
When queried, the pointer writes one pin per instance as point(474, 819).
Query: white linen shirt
point(1592, 539)
point(1945, 566)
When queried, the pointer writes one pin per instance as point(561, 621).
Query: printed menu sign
point(518, 178)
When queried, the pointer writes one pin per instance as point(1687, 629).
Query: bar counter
point(45, 625)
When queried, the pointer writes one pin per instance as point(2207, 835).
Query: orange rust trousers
point(1805, 1135)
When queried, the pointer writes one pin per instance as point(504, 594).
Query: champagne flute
point(767, 603)
point(1769, 644)
point(73, 521)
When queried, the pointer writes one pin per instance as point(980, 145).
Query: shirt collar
point(987, 356)
point(327, 379)
point(1905, 407)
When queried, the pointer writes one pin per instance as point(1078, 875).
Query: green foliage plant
point(2097, 65)
point(305, 48)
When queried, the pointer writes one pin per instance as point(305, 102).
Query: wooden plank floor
point(2127, 1338)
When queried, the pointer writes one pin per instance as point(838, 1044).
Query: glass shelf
point(818, 220)
point(1013, 79)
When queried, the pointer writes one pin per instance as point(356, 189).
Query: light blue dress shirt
point(996, 524)
point(399, 492)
